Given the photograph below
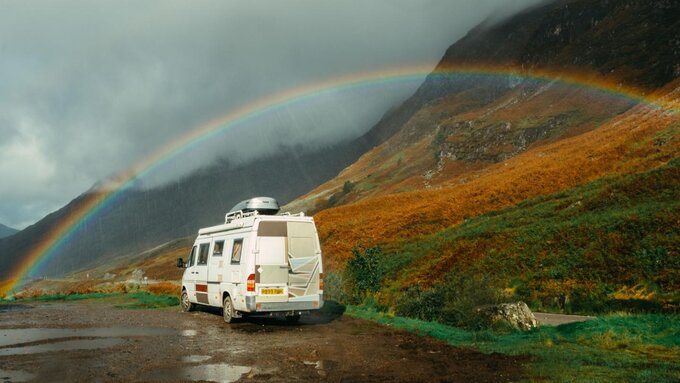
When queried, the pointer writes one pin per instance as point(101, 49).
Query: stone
point(517, 315)
point(137, 275)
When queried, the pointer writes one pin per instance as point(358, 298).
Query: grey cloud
point(88, 89)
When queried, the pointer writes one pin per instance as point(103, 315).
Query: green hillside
point(609, 245)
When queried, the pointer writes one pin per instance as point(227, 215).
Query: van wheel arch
point(184, 302)
point(228, 311)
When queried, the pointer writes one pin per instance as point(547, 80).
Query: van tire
point(185, 303)
point(228, 310)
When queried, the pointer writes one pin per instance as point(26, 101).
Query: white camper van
point(255, 263)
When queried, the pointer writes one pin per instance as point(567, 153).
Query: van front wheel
point(228, 310)
point(185, 303)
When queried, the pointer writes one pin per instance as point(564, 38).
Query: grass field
point(131, 300)
point(613, 348)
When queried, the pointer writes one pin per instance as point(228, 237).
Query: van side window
point(203, 254)
point(192, 257)
point(236, 251)
point(219, 247)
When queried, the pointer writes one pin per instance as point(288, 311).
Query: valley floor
point(48, 341)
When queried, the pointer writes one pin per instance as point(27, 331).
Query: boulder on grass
point(517, 315)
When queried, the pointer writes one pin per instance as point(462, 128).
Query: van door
point(189, 278)
point(233, 266)
point(304, 259)
point(271, 263)
point(201, 273)
point(216, 271)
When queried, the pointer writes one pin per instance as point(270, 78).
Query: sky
point(89, 88)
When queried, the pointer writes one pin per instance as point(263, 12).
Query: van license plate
point(271, 291)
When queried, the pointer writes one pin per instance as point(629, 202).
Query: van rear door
point(304, 259)
point(271, 263)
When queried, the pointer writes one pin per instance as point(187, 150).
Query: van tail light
point(321, 281)
point(251, 283)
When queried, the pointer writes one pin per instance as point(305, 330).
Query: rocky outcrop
point(517, 315)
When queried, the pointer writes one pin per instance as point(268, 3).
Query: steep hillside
point(6, 231)
point(607, 245)
point(642, 138)
point(460, 123)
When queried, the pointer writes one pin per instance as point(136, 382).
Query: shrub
point(362, 274)
point(164, 288)
point(333, 287)
point(347, 187)
point(422, 304)
point(332, 200)
point(452, 302)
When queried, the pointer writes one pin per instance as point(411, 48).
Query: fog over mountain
point(6, 231)
point(91, 88)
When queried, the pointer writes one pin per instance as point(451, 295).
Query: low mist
point(90, 89)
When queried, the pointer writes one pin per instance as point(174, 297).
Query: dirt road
point(97, 342)
point(558, 319)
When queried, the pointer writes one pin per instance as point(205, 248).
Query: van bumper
point(253, 306)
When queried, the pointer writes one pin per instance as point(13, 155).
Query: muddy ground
point(94, 341)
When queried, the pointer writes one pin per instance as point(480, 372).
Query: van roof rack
point(232, 215)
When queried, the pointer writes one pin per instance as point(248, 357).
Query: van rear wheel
point(228, 310)
point(185, 303)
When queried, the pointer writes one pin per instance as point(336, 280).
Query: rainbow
point(98, 202)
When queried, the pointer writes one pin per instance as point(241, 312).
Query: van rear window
point(272, 229)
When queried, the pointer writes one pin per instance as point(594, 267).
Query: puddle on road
point(189, 332)
point(68, 345)
point(24, 341)
point(14, 307)
point(195, 358)
point(12, 337)
point(15, 376)
point(322, 364)
point(223, 373)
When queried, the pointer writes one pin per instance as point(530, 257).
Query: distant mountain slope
point(6, 231)
point(145, 218)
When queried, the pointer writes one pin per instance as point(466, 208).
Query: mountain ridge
point(6, 231)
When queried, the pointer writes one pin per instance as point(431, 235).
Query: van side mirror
point(180, 262)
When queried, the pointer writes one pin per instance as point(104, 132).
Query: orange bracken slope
point(640, 139)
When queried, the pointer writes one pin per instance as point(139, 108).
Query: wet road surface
point(97, 342)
